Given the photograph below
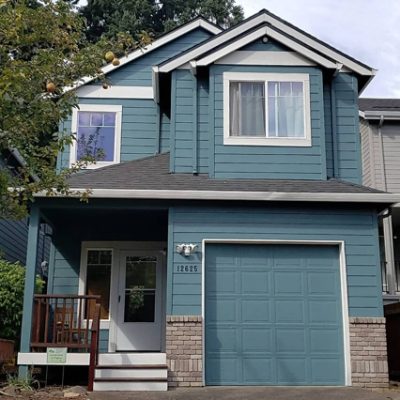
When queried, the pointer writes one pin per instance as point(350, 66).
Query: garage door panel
point(325, 341)
point(255, 281)
point(257, 340)
point(289, 311)
point(290, 341)
point(225, 282)
point(277, 319)
point(288, 282)
point(291, 371)
point(255, 310)
point(256, 371)
point(326, 371)
point(221, 310)
point(323, 312)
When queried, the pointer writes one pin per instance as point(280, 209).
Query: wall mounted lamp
point(186, 249)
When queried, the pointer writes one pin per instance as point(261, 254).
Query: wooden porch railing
point(67, 321)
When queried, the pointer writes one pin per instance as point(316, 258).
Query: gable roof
point(198, 22)
point(150, 178)
point(280, 30)
point(375, 108)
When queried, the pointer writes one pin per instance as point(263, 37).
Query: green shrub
point(12, 277)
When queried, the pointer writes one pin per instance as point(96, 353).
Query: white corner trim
point(168, 37)
point(41, 359)
point(118, 126)
point(343, 283)
point(228, 195)
point(267, 141)
point(286, 58)
point(115, 92)
point(155, 84)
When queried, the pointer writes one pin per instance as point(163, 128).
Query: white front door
point(138, 326)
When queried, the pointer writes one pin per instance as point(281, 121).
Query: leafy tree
point(106, 17)
point(43, 49)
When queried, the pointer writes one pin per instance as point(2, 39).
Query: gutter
point(371, 197)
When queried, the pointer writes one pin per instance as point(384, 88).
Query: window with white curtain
point(267, 109)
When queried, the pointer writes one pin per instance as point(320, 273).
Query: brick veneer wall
point(184, 348)
point(368, 352)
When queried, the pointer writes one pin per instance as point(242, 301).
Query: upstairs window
point(267, 109)
point(98, 133)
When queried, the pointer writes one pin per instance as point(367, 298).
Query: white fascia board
point(393, 115)
point(233, 195)
point(199, 23)
point(115, 92)
point(155, 84)
point(354, 66)
point(41, 359)
point(266, 31)
point(301, 49)
point(211, 44)
point(290, 58)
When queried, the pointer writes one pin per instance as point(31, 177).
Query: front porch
point(106, 293)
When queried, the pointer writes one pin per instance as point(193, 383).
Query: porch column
point(30, 277)
point(389, 254)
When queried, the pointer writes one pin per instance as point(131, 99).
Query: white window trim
point(104, 323)
point(117, 142)
point(267, 141)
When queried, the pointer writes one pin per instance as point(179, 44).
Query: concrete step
point(130, 384)
point(155, 371)
point(132, 359)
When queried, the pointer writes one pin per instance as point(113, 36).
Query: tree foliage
point(106, 17)
point(43, 49)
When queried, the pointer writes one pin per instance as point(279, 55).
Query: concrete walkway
point(253, 393)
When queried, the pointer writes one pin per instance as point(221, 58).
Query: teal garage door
point(273, 315)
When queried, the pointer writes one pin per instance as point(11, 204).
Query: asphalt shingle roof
point(371, 104)
point(152, 173)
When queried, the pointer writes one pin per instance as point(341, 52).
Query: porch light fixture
point(186, 249)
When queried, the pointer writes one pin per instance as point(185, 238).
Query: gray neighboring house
point(14, 233)
point(380, 139)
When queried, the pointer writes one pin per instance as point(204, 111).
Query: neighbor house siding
point(284, 162)
point(357, 227)
point(366, 154)
point(13, 240)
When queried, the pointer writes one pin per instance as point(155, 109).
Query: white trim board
point(293, 37)
point(290, 58)
point(343, 282)
point(115, 92)
point(388, 198)
point(168, 37)
point(269, 32)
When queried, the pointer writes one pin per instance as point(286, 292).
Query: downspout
point(335, 163)
point(193, 69)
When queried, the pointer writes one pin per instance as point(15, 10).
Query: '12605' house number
point(187, 268)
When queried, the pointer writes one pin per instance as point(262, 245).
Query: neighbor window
point(98, 130)
point(266, 109)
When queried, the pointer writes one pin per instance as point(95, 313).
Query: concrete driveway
point(253, 393)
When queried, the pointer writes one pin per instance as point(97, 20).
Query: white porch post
point(389, 255)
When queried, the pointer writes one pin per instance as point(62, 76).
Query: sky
point(368, 30)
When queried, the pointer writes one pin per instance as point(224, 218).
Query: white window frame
point(104, 323)
point(117, 136)
point(265, 77)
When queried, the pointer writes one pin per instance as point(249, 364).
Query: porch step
point(131, 372)
point(132, 359)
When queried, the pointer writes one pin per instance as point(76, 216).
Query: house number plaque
point(186, 268)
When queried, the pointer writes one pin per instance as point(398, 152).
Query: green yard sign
point(56, 355)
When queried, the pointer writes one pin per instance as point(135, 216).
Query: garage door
point(273, 315)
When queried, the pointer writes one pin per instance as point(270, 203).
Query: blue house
point(227, 232)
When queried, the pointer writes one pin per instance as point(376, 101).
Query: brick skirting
point(184, 348)
point(368, 352)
